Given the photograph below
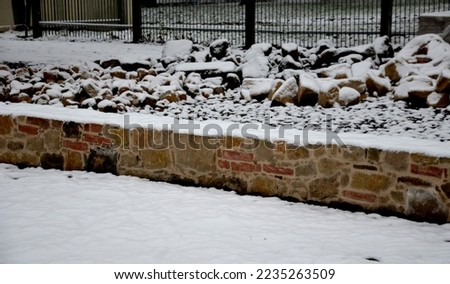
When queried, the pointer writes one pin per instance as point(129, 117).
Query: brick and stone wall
point(412, 185)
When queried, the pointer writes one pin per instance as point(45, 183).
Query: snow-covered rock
point(257, 67)
point(443, 82)
point(219, 48)
point(257, 88)
point(309, 90)
point(329, 93)
point(290, 49)
point(257, 50)
point(348, 96)
point(377, 85)
point(287, 93)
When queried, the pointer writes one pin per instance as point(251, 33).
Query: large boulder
point(257, 67)
point(308, 91)
point(257, 88)
point(219, 48)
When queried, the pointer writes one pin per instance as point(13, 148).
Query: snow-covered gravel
point(77, 217)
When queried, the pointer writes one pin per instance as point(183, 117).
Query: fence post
point(250, 22)
point(137, 20)
point(36, 18)
point(386, 17)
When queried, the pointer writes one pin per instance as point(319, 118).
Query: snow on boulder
point(219, 48)
point(178, 49)
point(233, 81)
point(338, 71)
point(437, 100)
point(258, 67)
point(430, 45)
point(6, 76)
point(348, 96)
point(356, 83)
point(309, 90)
point(443, 82)
point(360, 69)
point(276, 84)
point(107, 106)
point(258, 49)
point(377, 85)
point(287, 93)
point(290, 49)
point(329, 93)
point(288, 62)
point(397, 68)
point(208, 69)
point(257, 88)
point(383, 48)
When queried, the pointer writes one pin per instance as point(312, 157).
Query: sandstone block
point(371, 182)
point(323, 189)
point(425, 205)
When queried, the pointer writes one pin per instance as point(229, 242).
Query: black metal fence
point(346, 22)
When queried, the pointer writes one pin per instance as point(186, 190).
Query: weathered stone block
point(130, 160)
point(295, 152)
point(398, 161)
point(446, 189)
point(6, 125)
point(199, 160)
point(323, 189)
point(15, 145)
point(74, 161)
point(373, 155)
point(102, 161)
point(328, 166)
point(9, 158)
point(398, 197)
point(35, 144)
point(413, 181)
point(72, 130)
point(371, 182)
point(155, 159)
point(264, 186)
point(424, 160)
point(52, 140)
point(425, 205)
point(307, 169)
point(354, 154)
point(52, 161)
point(360, 196)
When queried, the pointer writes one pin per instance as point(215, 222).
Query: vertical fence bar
point(386, 17)
point(36, 14)
point(250, 22)
point(137, 20)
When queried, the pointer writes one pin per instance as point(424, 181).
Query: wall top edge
point(214, 128)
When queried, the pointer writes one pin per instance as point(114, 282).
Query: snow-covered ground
point(63, 51)
point(77, 217)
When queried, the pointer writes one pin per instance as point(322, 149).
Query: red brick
point(75, 145)
point(93, 139)
point(224, 164)
point(237, 156)
point(245, 167)
point(42, 123)
point(95, 128)
point(360, 196)
point(427, 171)
point(31, 130)
point(278, 170)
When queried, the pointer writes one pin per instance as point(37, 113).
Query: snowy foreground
point(78, 217)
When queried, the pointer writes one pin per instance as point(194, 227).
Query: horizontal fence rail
point(345, 22)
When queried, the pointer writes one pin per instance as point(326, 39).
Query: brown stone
point(52, 161)
point(9, 158)
point(264, 186)
point(15, 145)
point(29, 160)
point(446, 189)
point(329, 96)
point(35, 144)
point(413, 181)
point(296, 152)
point(355, 83)
point(2, 143)
point(360, 196)
point(443, 82)
point(265, 152)
point(6, 125)
point(308, 91)
point(393, 67)
point(398, 197)
point(328, 166)
point(323, 189)
point(72, 130)
point(371, 182)
point(354, 154)
point(287, 93)
point(155, 159)
point(424, 160)
point(298, 191)
point(102, 161)
point(130, 160)
point(307, 169)
point(373, 155)
point(52, 140)
point(398, 161)
point(365, 167)
point(425, 205)
point(381, 86)
point(74, 161)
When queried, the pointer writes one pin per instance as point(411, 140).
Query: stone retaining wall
point(415, 186)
